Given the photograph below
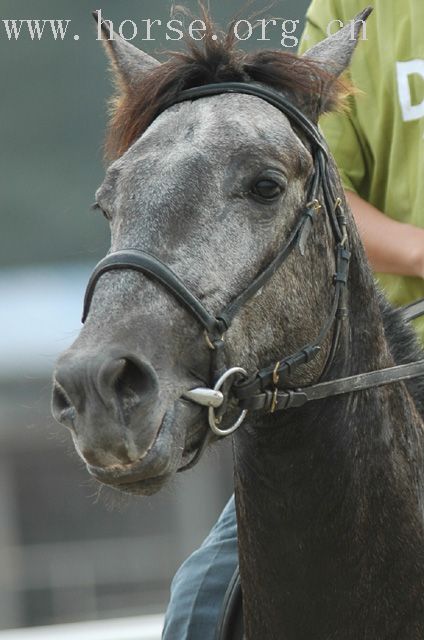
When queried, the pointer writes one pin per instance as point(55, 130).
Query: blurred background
point(70, 550)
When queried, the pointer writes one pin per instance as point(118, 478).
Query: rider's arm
point(392, 247)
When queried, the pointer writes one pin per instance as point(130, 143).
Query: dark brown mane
point(214, 60)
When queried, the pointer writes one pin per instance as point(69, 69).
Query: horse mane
point(404, 346)
point(217, 58)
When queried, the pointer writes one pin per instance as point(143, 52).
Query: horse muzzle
point(103, 399)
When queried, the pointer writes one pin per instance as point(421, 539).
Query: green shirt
point(379, 144)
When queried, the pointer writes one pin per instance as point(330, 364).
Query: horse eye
point(267, 189)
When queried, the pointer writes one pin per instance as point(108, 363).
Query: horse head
point(212, 187)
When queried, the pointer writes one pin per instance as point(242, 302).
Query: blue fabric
point(198, 588)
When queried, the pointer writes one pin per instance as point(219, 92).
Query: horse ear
point(335, 52)
point(130, 63)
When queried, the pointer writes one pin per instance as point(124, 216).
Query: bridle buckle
point(209, 342)
point(274, 400)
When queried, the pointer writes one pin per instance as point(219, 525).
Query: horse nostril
point(132, 381)
point(102, 390)
point(62, 408)
point(134, 378)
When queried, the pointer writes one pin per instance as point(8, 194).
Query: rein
point(267, 389)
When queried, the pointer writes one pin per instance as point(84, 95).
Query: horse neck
point(329, 500)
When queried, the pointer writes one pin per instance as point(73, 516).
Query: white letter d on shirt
point(404, 70)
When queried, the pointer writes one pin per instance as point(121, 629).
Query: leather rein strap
point(413, 310)
point(298, 397)
point(268, 388)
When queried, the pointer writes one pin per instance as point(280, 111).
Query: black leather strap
point(230, 624)
point(259, 91)
point(291, 398)
point(151, 266)
point(277, 376)
point(413, 310)
point(235, 305)
point(148, 264)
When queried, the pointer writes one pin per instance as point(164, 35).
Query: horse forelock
point(217, 58)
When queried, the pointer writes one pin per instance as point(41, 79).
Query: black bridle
point(267, 389)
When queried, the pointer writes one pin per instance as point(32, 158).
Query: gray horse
point(330, 495)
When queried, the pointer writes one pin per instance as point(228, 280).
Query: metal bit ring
point(213, 420)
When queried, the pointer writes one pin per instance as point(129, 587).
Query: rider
point(379, 149)
point(379, 146)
